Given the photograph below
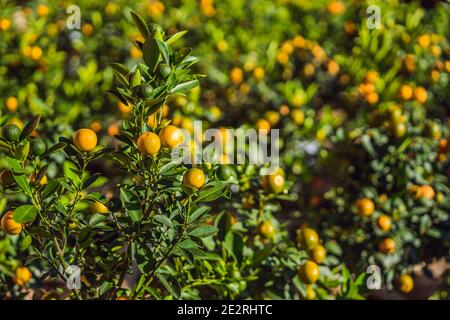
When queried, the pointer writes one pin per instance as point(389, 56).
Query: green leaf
point(187, 244)
point(89, 181)
point(23, 183)
point(122, 69)
point(136, 79)
point(203, 231)
point(165, 51)
point(198, 213)
point(151, 53)
point(163, 220)
point(25, 242)
point(140, 24)
point(55, 148)
point(185, 86)
point(96, 219)
point(234, 245)
point(181, 54)
point(25, 213)
point(131, 204)
point(175, 37)
point(29, 128)
point(171, 284)
point(211, 191)
point(15, 165)
point(50, 189)
point(167, 169)
point(121, 78)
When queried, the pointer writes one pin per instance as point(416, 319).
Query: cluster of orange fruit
point(309, 272)
point(366, 208)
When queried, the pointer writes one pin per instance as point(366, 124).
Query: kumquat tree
point(229, 150)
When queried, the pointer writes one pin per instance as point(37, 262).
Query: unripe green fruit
point(38, 147)
point(11, 132)
point(164, 71)
point(146, 90)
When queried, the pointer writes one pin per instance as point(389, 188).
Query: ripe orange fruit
point(153, 121)
point(274, 183)
point(113, 129)
point(371, 76)
point(42, 10)
point(372, 98)
point(36, 53)
point(308, 238)
point(23, 275)
point(267, 230)
point(310, 293)
point(420, 94)
point(124, 108)
point(236, 75)
point(96, 126)
point(272, 116)
point(85, 140)
point(9, 226)
point(336, 8)
point(406, 92)
point(384, 222)
point(123, 298)
point(333, 68)
point(98, 207)
point(298, 117)
point(387, 245)
point(283, 58)
point(309, 272)
point(171, 136)
point(263, 125)
point(87, 29)
point(318, 254)
point(424, 40)
point(365, 207)
point(405, 283)
point(194, 177)
point(149, 143)
point(12, 104)
point(258, 73)
point(4, 24)
point(287, 47)
point(425, 191)
point(409, 63)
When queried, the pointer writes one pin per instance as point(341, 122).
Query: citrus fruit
point(384, 222)
point(405, 283)
point(365, 207)
point(309, 272)
point(387, 245)
point(9, 226)
point(98, 207)
point(308, 238)
point(267, 230)
point(11, 132)
point(318, 254)
point(149, 143)
point(171, 136)
point(23, 275)
point(85, 140)
point(38, 147)
point(194, 177)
